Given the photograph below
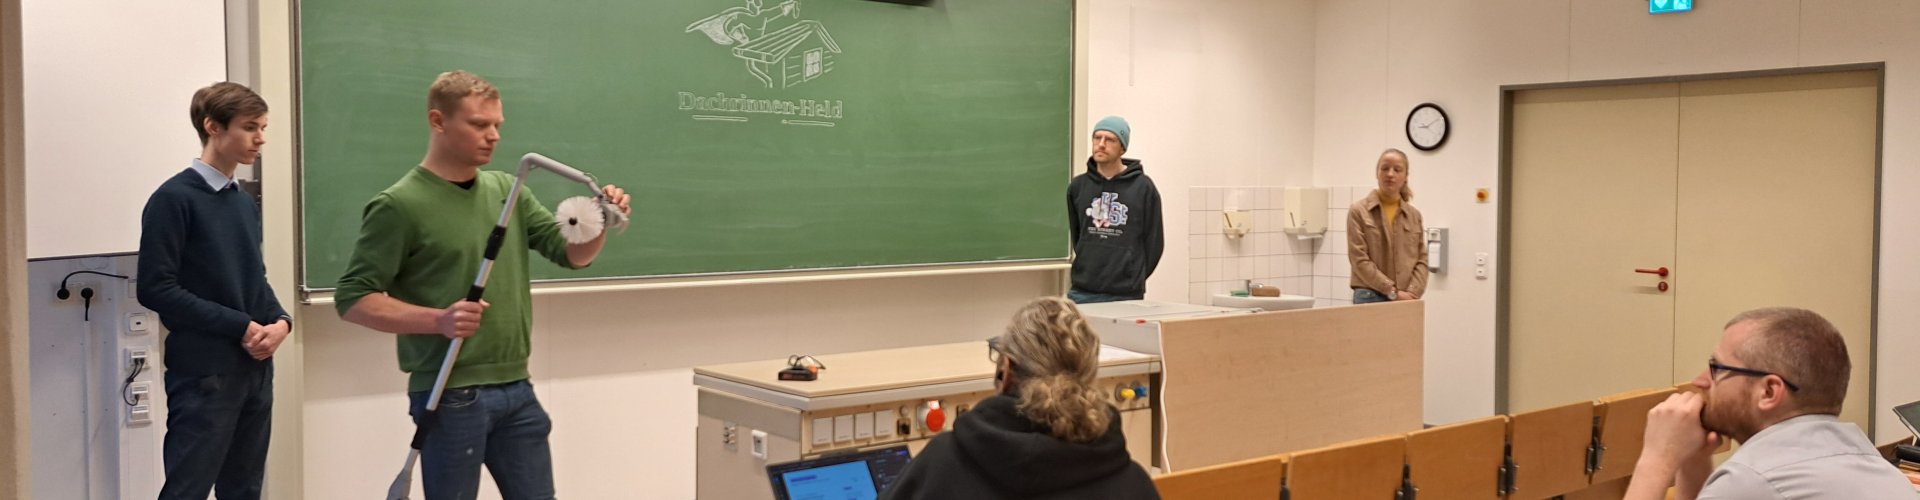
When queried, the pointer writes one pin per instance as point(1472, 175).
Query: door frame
point(1502, 337)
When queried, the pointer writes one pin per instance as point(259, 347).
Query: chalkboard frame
point(1075, 124)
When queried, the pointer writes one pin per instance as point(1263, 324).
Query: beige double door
point(1750, 192)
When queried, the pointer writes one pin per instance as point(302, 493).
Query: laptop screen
point(852, 476)
point(1909, 414)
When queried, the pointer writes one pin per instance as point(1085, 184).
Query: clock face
point(1427, 127)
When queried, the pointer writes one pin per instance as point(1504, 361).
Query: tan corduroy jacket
point(1386, 260)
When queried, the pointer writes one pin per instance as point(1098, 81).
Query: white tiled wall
point(1219, 264)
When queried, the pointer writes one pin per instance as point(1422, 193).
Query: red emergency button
point(932, 417)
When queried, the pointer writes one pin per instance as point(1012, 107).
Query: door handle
point(1660, 271)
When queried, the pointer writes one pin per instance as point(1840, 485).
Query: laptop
point(859, 475)
point(1910, 415)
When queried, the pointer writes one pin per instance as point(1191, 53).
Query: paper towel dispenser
point(1306, 212)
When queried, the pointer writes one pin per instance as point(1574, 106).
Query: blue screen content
point(848, 481)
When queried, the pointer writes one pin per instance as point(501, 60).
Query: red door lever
point(1661, 271)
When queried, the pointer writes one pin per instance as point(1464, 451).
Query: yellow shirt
point(1390, 209)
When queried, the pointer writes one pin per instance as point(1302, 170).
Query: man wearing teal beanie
point(1114, 213)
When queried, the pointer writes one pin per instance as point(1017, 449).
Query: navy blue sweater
point(201, 270)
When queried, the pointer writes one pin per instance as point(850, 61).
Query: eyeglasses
point(1714, 368)
point(993, 350)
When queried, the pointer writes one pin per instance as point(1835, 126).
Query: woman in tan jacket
point(1386, 241)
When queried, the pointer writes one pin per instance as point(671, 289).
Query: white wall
point(83, 446)
point(1376, 59)
point(107, 88)
point(1218, 93)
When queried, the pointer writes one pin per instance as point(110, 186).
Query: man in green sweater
point(421, 241)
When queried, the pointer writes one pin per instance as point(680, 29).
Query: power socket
point(141, 393)
point(137, 354)
point(759, 444)
point(139, 323)
point(141, 411)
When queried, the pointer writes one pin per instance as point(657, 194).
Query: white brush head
point(580, 218)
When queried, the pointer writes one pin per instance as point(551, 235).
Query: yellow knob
point(1126, 394)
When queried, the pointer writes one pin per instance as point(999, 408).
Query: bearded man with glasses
point(1774, 383)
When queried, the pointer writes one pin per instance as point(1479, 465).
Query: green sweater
point(422, 241)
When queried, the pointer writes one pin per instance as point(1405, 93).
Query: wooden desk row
point(1583, 450)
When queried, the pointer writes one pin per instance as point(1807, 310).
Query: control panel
point(749, 418)
point(900, 421)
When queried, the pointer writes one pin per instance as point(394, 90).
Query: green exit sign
point(1668, 6)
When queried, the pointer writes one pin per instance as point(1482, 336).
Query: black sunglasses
point(1714, 368)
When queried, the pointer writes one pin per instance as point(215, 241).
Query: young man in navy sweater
point(201, 270)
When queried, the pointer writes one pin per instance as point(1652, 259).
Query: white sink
point(1281, 303)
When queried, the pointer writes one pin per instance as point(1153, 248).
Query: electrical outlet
point(137, 354)
point(760, 444)
point(139, 323)
point(141, 414)
point(74, 286)
point(141, 392)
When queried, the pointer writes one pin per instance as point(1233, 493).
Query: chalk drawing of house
point(740, 25)
point(790, 56)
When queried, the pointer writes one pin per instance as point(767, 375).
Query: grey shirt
point(1808, 457)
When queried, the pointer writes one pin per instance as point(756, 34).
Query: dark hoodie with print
point(993, 452)
point(1116, 225)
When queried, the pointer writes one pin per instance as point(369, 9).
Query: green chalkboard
point(755, 135)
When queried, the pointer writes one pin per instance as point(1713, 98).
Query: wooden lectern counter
point(1245, 386)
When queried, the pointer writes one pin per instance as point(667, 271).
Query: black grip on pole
point(494, 241)
point(474, 294)
point(427, 421)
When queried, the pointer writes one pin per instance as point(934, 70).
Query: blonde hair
point(1055, 356)
point(452, 86)
point(1406, 190)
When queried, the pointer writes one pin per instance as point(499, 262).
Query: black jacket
point(993, 452)
point(1117, 236)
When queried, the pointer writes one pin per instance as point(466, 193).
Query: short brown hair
point(1802, 347)
point(452, 86)
point(223, 102)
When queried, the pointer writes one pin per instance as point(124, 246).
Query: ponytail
point(1057, 356)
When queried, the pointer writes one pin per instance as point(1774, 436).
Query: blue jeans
point(1079, 296)
point(217, 432)
point(1368, 296)
point(501, 426)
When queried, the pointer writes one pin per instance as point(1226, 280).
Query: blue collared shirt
point(216, 180)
